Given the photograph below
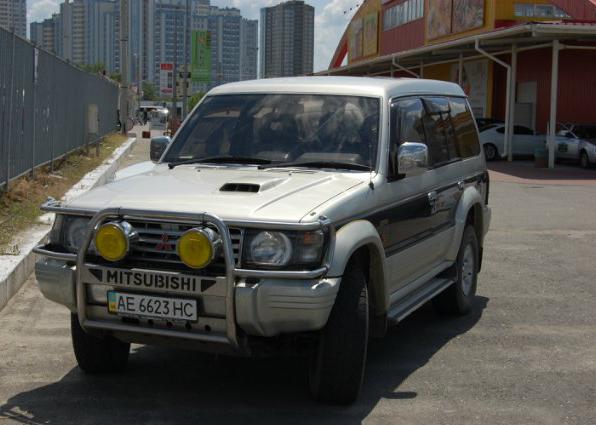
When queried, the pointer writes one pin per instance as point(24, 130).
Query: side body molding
point(470, 199)
point(351, 237)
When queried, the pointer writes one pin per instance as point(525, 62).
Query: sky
point(330, 19)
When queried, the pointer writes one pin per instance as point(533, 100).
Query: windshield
point(319, 131)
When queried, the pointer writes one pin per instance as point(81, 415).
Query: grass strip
point(19, 206)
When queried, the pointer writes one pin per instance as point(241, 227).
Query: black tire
point(491, 153)
point(97, 354)
point(337, 366)
point(459, 297)
point(584, 160)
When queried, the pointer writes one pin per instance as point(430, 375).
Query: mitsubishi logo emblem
point(164, 244)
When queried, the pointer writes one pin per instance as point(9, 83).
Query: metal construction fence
point(48, 107)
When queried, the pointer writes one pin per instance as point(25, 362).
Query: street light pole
point(123, 65)
point(175, 77)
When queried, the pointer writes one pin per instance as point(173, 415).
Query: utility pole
point(186, 48)
point(123, 64)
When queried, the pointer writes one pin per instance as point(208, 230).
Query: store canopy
point(530, 35)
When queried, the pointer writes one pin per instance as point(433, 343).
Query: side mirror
point(412, 159)
point(158, 147)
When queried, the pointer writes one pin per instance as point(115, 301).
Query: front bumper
point(258, 302)
point(268, 307)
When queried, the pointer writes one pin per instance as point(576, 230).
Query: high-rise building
point(70, 32)
point(287, 39)
point(13, 16)
point(168, 34)
point(101, 33)
point(43, 33)
point(249, 51)
point(234, 42)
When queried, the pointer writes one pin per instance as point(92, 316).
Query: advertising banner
point(474, 84)
point(355, 47)
point(200, 66)
point(166, 79)
point(447, 17)
point(371, 34)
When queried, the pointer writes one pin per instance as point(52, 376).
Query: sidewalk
point(524, 172)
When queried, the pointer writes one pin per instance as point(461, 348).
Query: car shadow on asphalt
point(165, 386)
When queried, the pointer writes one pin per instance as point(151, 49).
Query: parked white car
point(524, 141)
point(577, 143)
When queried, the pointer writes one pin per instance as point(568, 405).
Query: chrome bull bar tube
point(202, 218)
point(232, 272)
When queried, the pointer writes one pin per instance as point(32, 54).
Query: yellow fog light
point(111, 241)
point(196, 247)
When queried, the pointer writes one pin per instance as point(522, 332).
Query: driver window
point(407, 125)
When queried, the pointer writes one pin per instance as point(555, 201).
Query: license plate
point(137, 305)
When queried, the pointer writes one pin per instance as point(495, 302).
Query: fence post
point(34, 118)
point(10, 110)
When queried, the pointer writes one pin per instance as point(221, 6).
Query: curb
point(15, 269)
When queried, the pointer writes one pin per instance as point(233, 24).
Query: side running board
point(409, 304)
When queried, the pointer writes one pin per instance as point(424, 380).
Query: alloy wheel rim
point(467, 270)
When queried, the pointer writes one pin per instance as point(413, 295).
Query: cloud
point(38, 10)
point(330, 24)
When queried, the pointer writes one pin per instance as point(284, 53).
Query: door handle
point(432, 201)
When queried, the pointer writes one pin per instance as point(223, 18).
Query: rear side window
point(466, 137)
point(440, 136)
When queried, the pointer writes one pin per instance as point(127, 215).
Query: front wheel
point(459, 297)
point(337, 366)
point(96, 354)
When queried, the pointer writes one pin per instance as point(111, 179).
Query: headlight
point(270, 249)
point(280, 249)
point(73, 232)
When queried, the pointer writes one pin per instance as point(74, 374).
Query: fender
point(468, 200)
point(348, 239)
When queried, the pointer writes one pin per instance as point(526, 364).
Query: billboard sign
point(200, 65)
point(371, 34)
point(166, 79)
point(447, 17)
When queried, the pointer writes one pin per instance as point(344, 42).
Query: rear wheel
point(459, 297)
point(491, 152)
point(584, 160)
point(337, 366)
point(96, 354)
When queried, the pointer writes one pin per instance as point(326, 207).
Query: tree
point(194, 99)
point(149, 92)
point(116, 76)
point(96, 68)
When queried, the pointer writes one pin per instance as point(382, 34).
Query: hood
point(231, 193)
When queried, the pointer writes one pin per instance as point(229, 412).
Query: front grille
point(156, 247)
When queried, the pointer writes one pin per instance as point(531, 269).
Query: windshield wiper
point(225, 159)
point(319, 164)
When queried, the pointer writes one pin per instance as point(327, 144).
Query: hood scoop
point(251, 184)
point(240, 187)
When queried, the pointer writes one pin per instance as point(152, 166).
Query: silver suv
point(308, 213)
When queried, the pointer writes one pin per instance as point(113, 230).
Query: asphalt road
point(525, 355)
